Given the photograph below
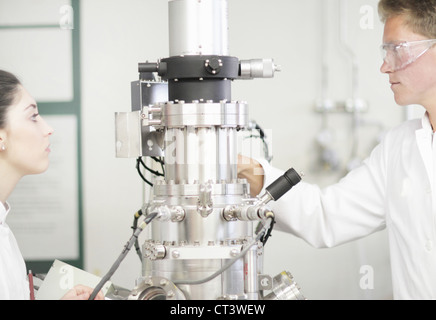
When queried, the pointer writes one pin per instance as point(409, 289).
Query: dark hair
point(420, 15)
point(8, 89)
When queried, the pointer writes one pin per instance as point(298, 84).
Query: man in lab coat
point(395, 188)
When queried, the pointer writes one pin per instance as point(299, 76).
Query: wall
point(300, 36)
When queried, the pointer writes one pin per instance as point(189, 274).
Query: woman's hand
point(80, 292)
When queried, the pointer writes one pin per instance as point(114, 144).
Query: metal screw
point(234, 252)
point(264, 282)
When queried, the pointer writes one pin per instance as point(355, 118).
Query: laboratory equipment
point(203, 242)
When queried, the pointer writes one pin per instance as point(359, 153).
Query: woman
point(24, 150)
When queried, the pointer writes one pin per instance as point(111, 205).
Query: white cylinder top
point(198, 27)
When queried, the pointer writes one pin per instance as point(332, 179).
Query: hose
point(232, 261)
point(123, 254)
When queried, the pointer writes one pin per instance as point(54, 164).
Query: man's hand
point(252, 171)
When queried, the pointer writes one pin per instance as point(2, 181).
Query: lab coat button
point(429, 245)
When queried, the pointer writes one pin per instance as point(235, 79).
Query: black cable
point(157, 173)
point(266, 236)
point(261, 132)
point(162, 163)
point(123, 254)
point(262, 136)
point(138, 161)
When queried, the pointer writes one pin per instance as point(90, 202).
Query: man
point(395, 188)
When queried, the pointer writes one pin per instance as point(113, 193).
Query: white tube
point(198, 27)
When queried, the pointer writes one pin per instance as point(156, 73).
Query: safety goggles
point(400, 55)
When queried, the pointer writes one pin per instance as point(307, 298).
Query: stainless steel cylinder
point(198, 27)
point(198, 245)
point(200, 142)
point(191, 240)
point(201, 154)
point(250, 275)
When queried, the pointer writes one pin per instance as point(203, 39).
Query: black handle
point(283, 184)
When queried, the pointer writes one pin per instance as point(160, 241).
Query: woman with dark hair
point(24, 150)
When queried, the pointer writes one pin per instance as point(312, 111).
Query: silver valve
point(258, 210)
point(257, 68)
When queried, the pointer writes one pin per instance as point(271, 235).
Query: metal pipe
point(198, 27)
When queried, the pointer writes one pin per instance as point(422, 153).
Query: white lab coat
point(14, 283)
point(395, 188)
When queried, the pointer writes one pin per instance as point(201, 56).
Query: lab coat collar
point(425, 132)
point(424, 142)
point(426, 125)
point(4, 210)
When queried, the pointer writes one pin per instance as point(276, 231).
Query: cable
point(232, 261)
point(140, 162)
point(265, 238)
point(157, 173)
point(253, 125)
point(162, 163)
point(123, 254)
point(137, 215)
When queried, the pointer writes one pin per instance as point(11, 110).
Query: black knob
point(283, 184)
point(213, 65)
